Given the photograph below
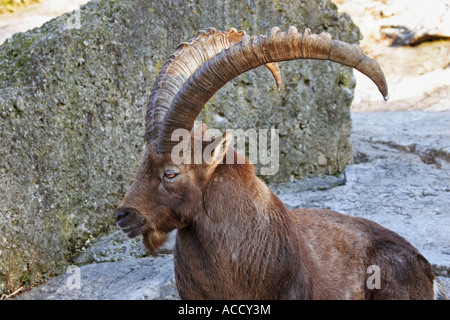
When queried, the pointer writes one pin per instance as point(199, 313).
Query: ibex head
point(167, 195)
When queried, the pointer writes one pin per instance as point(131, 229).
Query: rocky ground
point(400, 179)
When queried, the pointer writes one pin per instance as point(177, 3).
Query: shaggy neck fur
point(243, 244)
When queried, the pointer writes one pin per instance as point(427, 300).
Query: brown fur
point(236, 240)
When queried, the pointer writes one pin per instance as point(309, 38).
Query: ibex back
point(235, 239)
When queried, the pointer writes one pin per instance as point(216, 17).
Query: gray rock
point(422, 133)
point(308, 184)
point(73, 95)
point(150, 278)
point(117, 247)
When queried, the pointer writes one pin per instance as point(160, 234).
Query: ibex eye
point(170, 174)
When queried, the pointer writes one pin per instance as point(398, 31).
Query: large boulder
point(73, 96)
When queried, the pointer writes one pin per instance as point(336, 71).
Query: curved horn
point(253, 52)
point(186, 59)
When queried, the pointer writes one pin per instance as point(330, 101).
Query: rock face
point(400, 180)
point(73, 95)
point(404, 22)
point(418, 74)
point(412, 22)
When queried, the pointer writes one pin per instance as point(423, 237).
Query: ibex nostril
point(123, 213)
point(120, 214)
point(127, 218)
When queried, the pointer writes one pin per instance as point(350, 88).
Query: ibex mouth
point(129, 221)
point(134, 230)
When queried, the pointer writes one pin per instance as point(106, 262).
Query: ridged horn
point(186, 59)
point(251, 53)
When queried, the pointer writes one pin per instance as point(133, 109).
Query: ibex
point(235, 238)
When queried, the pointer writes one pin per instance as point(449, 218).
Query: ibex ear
point(215, 152)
